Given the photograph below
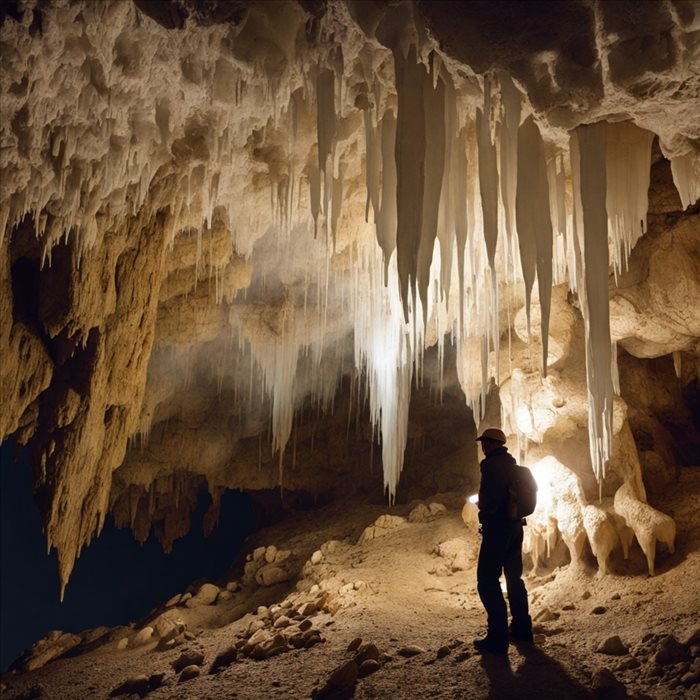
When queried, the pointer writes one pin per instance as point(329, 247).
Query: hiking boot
point(487, 645)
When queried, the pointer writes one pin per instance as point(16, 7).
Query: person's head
point(491, 439)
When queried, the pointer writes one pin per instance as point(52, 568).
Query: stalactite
point(534, 225)
point(593, 186)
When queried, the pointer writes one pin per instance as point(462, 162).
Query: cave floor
point(396, 591)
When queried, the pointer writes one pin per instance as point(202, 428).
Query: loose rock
point(368, 667)
point(670, 651)
point(187, 658)
point(410, 650)
point(189, 672)
point(136, 684)
point(142, 637)
point(206, 595)
point(354, 644)
point(613, 646)
point(224, 658)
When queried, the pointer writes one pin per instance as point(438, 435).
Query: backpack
point(522, 493)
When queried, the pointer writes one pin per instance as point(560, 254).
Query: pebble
point(585, 595)
point(308, 609)
point(224, 658)
point(187, 658)
point(410, 650)
point(604, 681)
point(354, 644)
point(174, 600)
point(343, 676)
point(189, 672)
point(546, 615)
point(443, 651)
point(312, 640)
point(232, 586)
point(224, 595)
point(316, 557)
point(670, 650)
point(135, 684)
point(367, 651)
point(282, 621)
point(436, 508)
point(142, 637)
point(206, 595)
point(613, 646)
point(270, 554)
point(599, 610)
point(368, 667)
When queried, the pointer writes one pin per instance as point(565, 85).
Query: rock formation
point(245, 244)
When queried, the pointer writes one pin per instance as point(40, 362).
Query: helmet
point(495, 434)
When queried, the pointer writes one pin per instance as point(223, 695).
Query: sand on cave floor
point(400, 602)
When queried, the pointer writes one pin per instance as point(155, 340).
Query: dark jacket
point(496, 475)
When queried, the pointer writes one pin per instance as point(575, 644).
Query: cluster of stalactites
point(483, 193)
point(462, 201)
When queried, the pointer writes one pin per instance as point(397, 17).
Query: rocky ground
point(368, 602)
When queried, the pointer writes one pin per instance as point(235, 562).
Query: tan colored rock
point(169, 624)
point(271, 574)
point(142, 637)
point(55, 644)
point(206, 595)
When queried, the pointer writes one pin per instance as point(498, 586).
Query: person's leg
point(517, 594)
point(488, 573)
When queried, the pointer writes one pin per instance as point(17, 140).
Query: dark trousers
point(501, 551)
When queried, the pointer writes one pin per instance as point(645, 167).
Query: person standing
point(501, 550)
